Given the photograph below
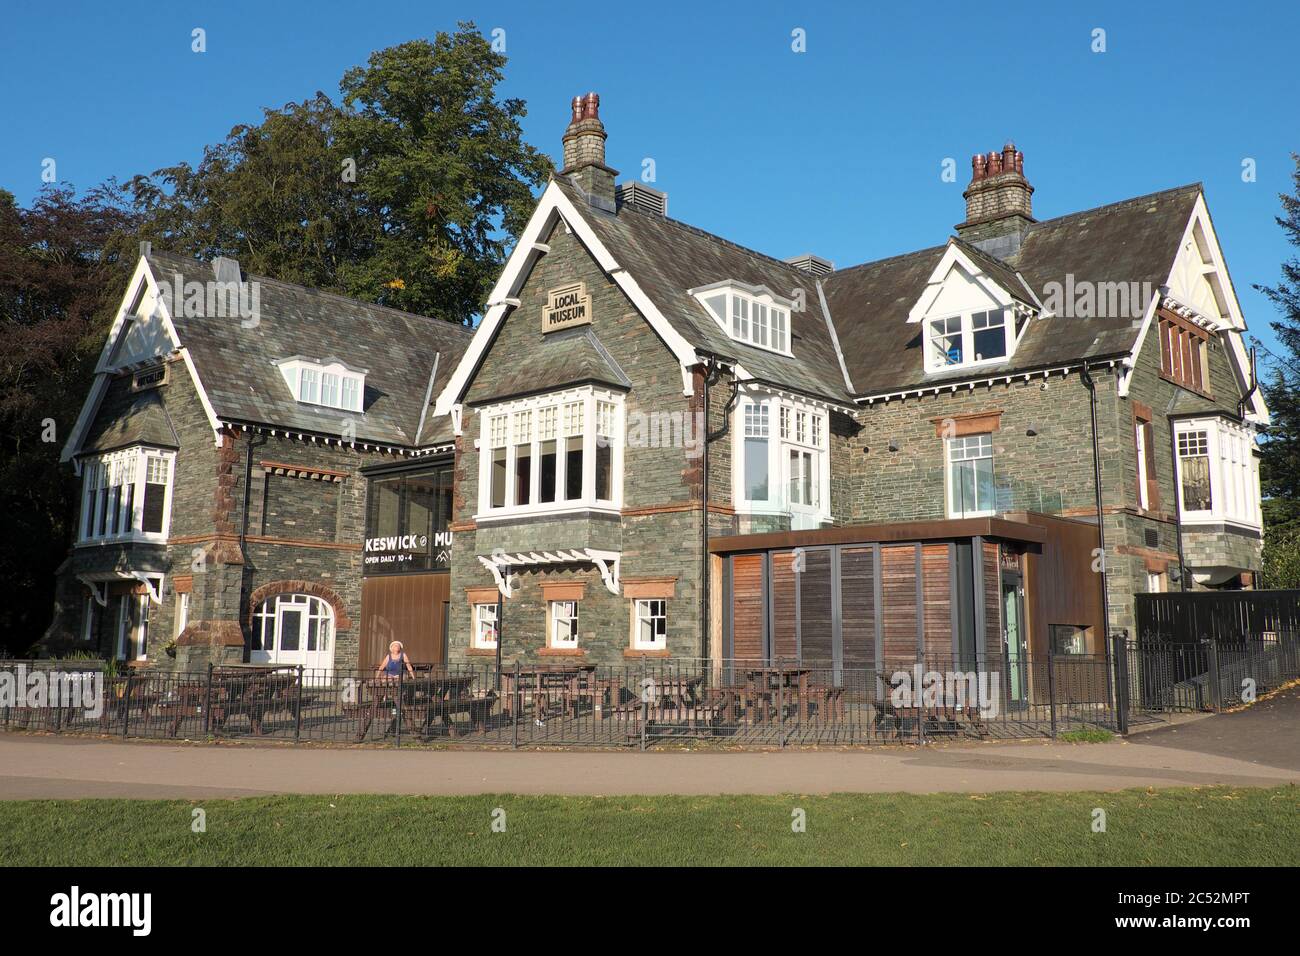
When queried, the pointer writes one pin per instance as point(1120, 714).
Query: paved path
point(1266, 733)
point(44, 767)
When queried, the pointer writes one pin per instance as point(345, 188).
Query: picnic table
point(552, 688)
point(765, 684)
point(254, 690)
point(946, 716)
point(422, 701)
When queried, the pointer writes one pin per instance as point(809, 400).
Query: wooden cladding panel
point(936, 575)
point(898, 599)
point(992, 603)
point(858, 610)
point(784, 583)
point(747, 606)
point(410, 608)
point(816, 608)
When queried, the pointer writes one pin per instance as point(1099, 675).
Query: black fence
point(1166, 676)
point(751, 703)
point(1231, 617)
point(740, 702)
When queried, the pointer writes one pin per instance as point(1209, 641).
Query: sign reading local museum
point(566, 307)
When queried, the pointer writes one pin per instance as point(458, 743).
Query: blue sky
point(837, 150)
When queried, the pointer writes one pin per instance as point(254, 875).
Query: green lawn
point(1190, 827)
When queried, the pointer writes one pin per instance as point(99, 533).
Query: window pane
point(573, 468)
point(604, 472)
point(945, 336)
point(990, 335)
point(155, 493)
point(756, 469)
point(498, 499)
point(984, 484)
point(523, 474)
point(546, 476)
point(1196, 484)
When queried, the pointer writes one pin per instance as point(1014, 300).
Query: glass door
point(1013, 640)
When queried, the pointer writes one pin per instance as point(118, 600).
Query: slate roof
point(668, 258)
point(1131, 241)
point(570, 357)
point(140, 420)
point(1135, 240)
point(399, 350)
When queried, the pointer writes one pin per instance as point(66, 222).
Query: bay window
point(1218, 475)
point(126, 495)
point(552, 453)
point(970, 476)
point(782, 470)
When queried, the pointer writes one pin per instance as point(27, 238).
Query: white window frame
point(562, 615)
point(182, 611)
point(749, 314)
point(310, 380)
point(645, 612)
point(587, 412)
point(933, 356)
point(485, 623)
point(129, 516)
point(1140, 444)
point(950, 446)
point(782, 415)
point(1234, 473)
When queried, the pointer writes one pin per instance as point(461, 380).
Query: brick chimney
point(999, 208)
point(584, 152)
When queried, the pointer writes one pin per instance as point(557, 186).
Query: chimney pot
point(999, 209)
point(584, 152)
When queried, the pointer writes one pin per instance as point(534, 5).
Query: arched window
point(293, 629)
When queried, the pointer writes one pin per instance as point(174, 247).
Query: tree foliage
point(64, 263)
point(407, 192)
point(1280, 462)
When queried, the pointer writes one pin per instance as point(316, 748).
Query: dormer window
point(969, 339)
point(330, 383)
point(749, 314)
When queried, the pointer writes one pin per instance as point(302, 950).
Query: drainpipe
point(1091, 385)
point(1178, 508)
point(711, 373)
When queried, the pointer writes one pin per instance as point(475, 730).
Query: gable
point(524, 357)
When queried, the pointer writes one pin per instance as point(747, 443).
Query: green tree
point(1280, 453)
point(407, 193)
point(64, 263)
point(1282, 558)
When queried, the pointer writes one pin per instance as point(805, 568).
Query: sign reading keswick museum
point(566, 307)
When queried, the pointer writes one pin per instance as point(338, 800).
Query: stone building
point(983, 401)
point(225, 450)
point(658, 443)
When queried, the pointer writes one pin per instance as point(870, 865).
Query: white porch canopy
point(500, 562)
point(98, 581)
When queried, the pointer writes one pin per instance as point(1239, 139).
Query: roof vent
point(813, 265)
point(640, 196)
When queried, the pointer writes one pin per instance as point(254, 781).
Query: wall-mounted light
point(1031, 431)
point(893, 445)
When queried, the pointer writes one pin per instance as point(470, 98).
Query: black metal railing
point(764, 703)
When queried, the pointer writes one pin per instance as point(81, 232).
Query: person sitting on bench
point(391, 666)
